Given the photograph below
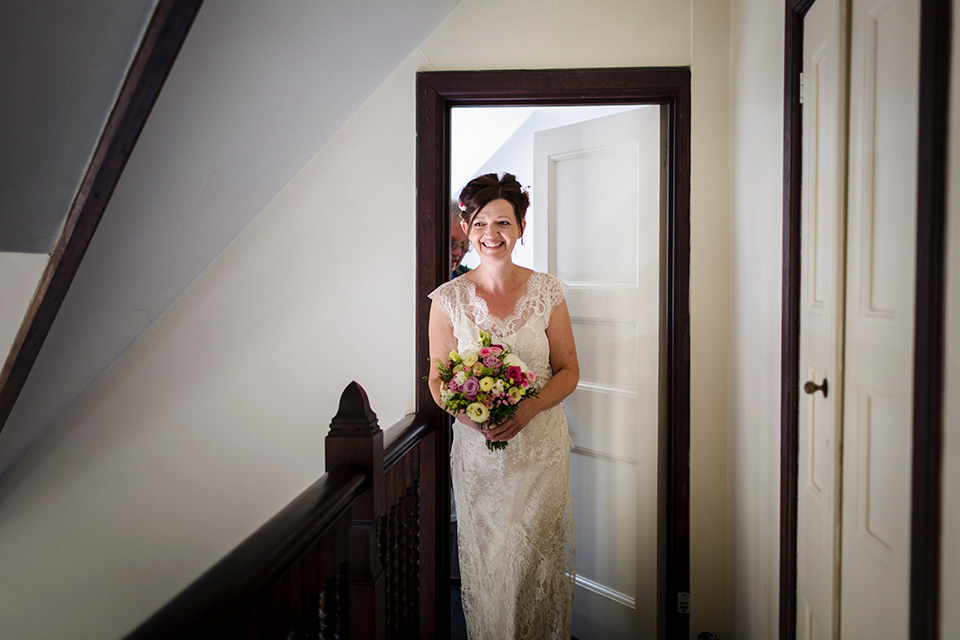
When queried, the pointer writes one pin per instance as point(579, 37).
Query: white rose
point(511, 360)
point(461, 377)
point(470, 358)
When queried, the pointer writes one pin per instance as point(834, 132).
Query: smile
point(492, 245)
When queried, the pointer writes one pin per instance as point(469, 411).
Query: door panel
point(821, 319)
point(598, 229)
point(882, 221)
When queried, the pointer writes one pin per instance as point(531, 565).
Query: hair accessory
point(462, 206)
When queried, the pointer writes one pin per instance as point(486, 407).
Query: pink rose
point(515, 375)
point(452, 385)
point(496, 349)
point(485, 351)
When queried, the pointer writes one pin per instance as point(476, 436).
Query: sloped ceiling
point(61, 65)
point(258, 88)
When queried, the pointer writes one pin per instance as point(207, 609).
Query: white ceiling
point(258, 88)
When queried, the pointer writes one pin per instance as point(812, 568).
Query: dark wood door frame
point(165, 34)
point(935, 21)
point(668, 87)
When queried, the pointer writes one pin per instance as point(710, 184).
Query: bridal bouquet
point(487, 383)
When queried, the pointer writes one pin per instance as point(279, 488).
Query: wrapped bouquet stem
point(487, 383)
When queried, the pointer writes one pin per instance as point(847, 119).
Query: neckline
point(516, 305)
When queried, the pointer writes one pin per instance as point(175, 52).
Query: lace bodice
point(514, 508)
point(523, 330)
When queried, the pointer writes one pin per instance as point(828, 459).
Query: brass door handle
point(812, 387)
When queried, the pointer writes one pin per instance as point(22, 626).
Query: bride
point(514, 510)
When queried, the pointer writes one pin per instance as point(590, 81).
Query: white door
point(821, 320)
point(881, 268)
point(597, 227)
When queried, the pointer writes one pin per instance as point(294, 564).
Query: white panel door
point(821, 320)
point(597, 191)
point(884, 81)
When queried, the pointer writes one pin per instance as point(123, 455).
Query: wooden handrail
point(402, 437)
point(241, 576)
point(352, 556)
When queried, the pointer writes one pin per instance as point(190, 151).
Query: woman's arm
point(566, 374)
point(442, 342)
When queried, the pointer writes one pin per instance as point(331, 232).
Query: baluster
point(404, 550)
point(343, 606)
point(413, 561)
point(329, 612)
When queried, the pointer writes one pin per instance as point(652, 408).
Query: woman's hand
point(463, 419)
point(513, 425)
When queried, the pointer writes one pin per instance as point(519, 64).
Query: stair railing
point(350, 557)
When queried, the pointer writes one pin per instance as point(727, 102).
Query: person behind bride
point(514, 509)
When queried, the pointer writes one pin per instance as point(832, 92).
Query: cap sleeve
point(443, 296)
point(554, 289)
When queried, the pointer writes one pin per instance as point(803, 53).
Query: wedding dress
point(514, 507)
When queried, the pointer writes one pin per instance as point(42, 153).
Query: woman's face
point(494, 231)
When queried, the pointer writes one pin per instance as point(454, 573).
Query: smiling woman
point(514, 505)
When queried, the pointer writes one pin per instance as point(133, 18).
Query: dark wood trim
point(433, 170)
point(401, 438)
point(928, 342)
point(935, 29)
point(168, 28)
point(790, 319)
point(669, 87)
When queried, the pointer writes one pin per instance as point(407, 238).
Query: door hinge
point(801, 87)
point(683, 602)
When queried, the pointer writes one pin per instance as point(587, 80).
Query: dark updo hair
point(484, 189)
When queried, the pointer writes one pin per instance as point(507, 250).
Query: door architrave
point(669, 87)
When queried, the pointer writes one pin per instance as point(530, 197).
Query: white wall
point(756, 160)
point(19, 275)
point(213, 419)
point(950, 531)
point(710, 539)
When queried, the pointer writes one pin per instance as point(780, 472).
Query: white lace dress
point(514, 507)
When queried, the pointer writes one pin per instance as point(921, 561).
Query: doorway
point(667, 89)
point(594, 174)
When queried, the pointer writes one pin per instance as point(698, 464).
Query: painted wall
point(19, 275)
point(213, 419)
point(756, 160)
point(950, 523)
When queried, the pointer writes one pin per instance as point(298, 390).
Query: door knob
point(812, 387)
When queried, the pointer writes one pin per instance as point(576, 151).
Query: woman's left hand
point(513, 425)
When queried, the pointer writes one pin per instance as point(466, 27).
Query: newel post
point(356, 438)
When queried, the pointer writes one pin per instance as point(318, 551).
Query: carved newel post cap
point(355, 417)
